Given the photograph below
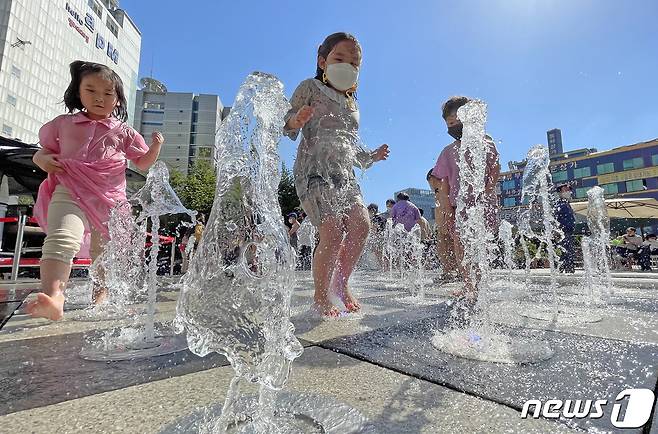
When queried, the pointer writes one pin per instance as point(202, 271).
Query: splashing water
point(472, 201)
point(537, 185)
point(156, 198)
point(475, 337)
point(122, 268)
point(236, 295)
point(507, 241)
point(407, 249)
point(596, 260)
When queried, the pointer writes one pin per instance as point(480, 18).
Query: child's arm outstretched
point(366, 158)
point(300, 110)
point(144, 162)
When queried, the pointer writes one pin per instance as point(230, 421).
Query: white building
point(38, 41)
point(188, 122)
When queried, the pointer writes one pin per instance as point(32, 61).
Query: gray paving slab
point(393, 402)
point(631, 321)
point(44, 371)
point(583, 367)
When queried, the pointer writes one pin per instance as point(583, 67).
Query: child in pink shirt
point(84, 154)
point(444, 178)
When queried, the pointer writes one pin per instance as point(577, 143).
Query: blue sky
point(587, 67)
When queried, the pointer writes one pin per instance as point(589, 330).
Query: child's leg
point(324, 262)
point(357, 227)
point(66, 226)
point(444, 244)
point(99, 294)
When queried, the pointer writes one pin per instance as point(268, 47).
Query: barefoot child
point(325, 109)
point(84, 154)
point(445, 179)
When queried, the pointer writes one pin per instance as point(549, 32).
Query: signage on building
point(79, 24)
point(628, 175)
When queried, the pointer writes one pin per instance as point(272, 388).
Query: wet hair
point(80, 69)
point(651, 236)
point(373, 207)
point(452, 104)
point(631, 229)
point(429, 174)
point(422, 213)
point(390, 202)
point(329, 43)
point(402, 196)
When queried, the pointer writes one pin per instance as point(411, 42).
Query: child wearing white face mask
point(325, 110)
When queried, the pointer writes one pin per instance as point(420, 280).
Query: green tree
point(196, 189)
point(288, 199)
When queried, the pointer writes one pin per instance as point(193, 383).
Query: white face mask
point(342, 76)
point(565, 195)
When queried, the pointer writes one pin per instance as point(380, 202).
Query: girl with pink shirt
point(84, 153)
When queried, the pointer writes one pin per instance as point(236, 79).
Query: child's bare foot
point(99, 296)
point(349, 300)
point(46, 306)
point(468, 294)
point(325, 308)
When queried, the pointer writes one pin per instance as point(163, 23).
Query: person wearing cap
point(567, 222)
point(630, 246)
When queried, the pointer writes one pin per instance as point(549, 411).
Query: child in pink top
point(444, 178)
point(84, 154)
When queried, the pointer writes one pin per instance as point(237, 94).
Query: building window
point(98, 9)
point(635, 185)
point(154, 105)
point(610, 188)
point(509, 185)
point(581, 192)
point(654, 160)
point(114, 28)
point(602, 169)
point(560, 176)
point(582, 172)
point(151, 123)
point(7, 130)
point(16, 71)
point(509, 201)
point(11, 99)
point(634, 163)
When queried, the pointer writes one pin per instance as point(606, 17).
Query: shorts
point(322, 201)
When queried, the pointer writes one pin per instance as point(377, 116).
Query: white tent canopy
point(624, 208)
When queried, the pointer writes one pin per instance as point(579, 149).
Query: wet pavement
point(381, 362)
